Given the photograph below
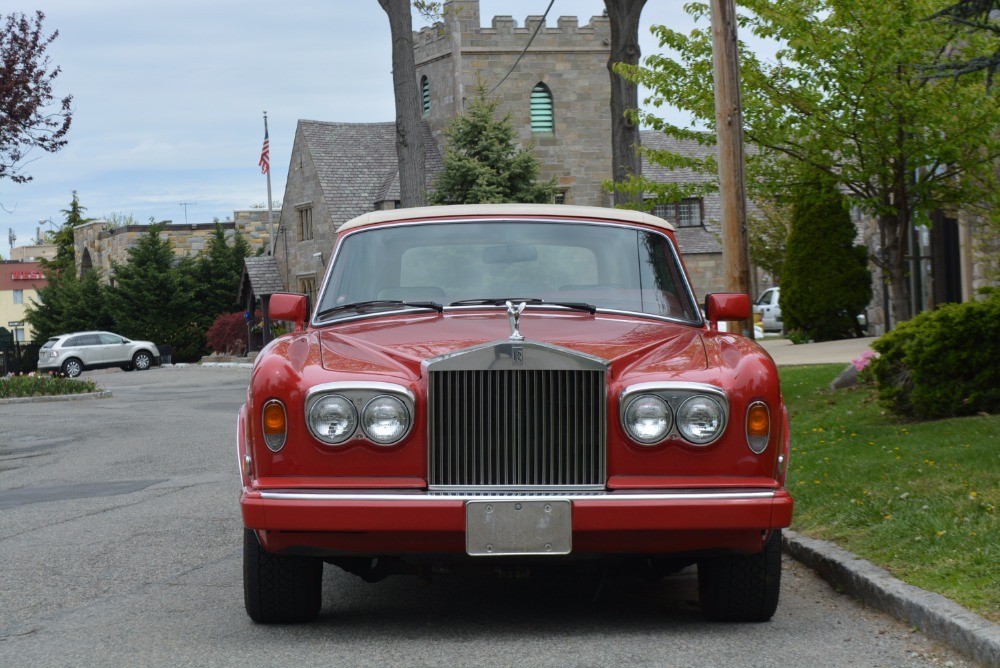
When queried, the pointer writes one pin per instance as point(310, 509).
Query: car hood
point(398, 345)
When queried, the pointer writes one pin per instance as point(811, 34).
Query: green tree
point(483, 163)
point(151, 299)
point(847, 94)
point(219, 270)
point(58, 309)
point(767, 236)
point(823, 304)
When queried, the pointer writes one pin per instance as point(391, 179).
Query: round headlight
point(333, 419)
point(648, 419)
point(385, 419)
point(700, 419)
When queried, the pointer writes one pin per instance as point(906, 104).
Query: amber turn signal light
point(758, 426)
point(275, 424)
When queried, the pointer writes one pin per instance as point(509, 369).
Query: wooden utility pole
point(729, 127)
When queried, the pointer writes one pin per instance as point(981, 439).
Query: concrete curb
point(936, 616)
point(104, 394)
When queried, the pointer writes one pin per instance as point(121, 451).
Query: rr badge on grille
point(514, 316)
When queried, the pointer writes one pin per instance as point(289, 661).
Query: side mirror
point(293, 308)
point(723, 306)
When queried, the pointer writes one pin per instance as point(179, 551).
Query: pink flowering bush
point(861, 365)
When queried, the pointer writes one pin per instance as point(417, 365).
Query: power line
point(537, 28)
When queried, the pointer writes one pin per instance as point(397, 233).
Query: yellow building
point(19, 284)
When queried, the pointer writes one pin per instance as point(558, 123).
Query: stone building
point(98, 246)
point(338, 171)
point(558, 95)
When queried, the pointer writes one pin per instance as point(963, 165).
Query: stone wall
point(98, 246)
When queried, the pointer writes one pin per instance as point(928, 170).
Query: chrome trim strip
point(422, 496)
point(362, 386)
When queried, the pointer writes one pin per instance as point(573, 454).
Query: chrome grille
point(517, 429)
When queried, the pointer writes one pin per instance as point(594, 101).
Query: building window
point(425, 94)
point(18, 296)
point(18, 334)
point(560, 197)
point(542, 115)
point(305, 223)
point(687, 213)
point(307, 286)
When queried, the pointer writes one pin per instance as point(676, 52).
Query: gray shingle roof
point(356, 164)
point(263, 276)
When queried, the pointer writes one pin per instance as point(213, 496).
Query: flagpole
point(270, 213)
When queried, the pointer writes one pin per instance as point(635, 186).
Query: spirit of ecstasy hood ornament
point(514, 316)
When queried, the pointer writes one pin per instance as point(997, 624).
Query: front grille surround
point(517, 417)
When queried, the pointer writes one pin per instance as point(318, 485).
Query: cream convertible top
point(475, 210)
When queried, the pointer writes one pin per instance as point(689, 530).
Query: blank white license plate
point(506, 528)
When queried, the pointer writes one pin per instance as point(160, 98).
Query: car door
point(88, 349)
point(115, 349)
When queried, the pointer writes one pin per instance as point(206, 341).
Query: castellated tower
point(558, 95)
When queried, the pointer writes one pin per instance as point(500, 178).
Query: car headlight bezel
point(360, 396)
point(675, 395)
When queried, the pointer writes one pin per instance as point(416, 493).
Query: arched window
point(542, 116)
point(425, 94)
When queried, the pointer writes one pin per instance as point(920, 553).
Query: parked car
point(769, 309)
point(511, 387)
point(71, 354)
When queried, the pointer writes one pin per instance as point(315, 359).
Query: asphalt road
point(120, 545)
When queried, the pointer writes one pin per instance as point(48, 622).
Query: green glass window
point(542, 115)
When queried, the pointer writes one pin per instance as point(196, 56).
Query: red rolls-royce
point(511, 385)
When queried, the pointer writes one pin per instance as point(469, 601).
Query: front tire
point(72, 367)
point(742, 588)
point(279, 589)
point(142, 360)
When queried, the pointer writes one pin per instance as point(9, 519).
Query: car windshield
point(608, 267)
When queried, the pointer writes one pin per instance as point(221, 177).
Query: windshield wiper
point(365, 306)
point(502, 301)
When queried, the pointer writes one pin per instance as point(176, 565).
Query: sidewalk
point(785, 353)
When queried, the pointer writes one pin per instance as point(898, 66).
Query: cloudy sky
point(168, 97)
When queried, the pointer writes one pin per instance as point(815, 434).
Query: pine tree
point(220, 269)
point(483, 164)
point(56, 309)
point(825, 282)
point(151, 299)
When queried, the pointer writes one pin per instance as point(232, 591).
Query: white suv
point(71, 354)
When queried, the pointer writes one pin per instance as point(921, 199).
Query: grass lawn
point(917, 498)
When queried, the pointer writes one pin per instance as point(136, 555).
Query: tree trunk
point(625, 161)
point(409, 136)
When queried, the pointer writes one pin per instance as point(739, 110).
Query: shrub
point(825, 282)
point(43, 385)
point(942, 363)
point(228, 334)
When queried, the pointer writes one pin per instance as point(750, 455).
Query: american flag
point(265, 156)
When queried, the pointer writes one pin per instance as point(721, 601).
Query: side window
point(307, 286)
point(73, 342)
point(109, 340)
point(542, 113)
point(305, 222)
